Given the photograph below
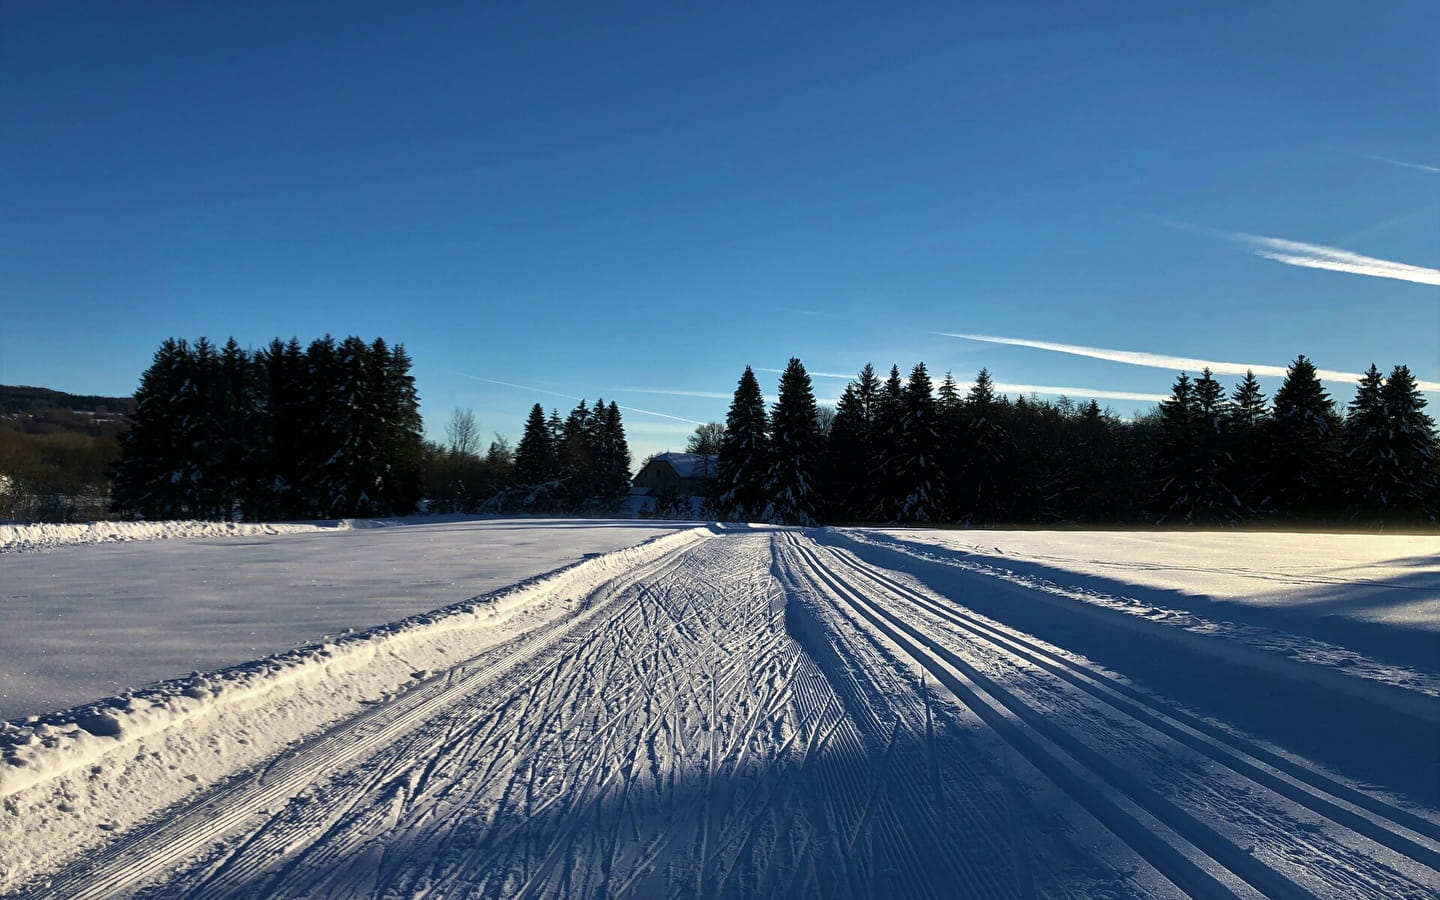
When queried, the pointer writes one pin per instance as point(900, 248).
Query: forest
point(333, 429)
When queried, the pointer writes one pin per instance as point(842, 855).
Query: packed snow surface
point(742, 712)
point(95, 614)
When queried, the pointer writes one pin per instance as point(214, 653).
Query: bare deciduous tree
point(706, 438)
point(462, 434)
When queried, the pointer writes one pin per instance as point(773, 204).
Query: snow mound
point(81, 775)
point(47, 536)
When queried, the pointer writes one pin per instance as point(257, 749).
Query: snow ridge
point(77, 774)
point(47, 536)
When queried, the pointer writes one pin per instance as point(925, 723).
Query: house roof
point(689, 465)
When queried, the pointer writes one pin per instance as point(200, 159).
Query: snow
point(756, 711)
point(689, 465)
point(95, 617)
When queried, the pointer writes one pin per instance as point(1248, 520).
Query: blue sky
point(635, 201)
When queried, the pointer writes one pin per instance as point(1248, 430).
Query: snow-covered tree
point(795, 448)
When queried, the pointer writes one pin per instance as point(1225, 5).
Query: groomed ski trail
point(756, 714)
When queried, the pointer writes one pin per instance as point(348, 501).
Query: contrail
point(526, 387)
point(1163, 361)
point(1317, 256)
point(1407, 165)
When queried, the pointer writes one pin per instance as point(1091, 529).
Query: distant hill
point(24, 400)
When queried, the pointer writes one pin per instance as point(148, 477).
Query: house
point(677, 473)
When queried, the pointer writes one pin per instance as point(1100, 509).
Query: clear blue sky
point(623, 200)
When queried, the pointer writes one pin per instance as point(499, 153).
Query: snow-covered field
point(739, 712)
point(94, 614)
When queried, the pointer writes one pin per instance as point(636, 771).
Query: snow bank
point(77, 775)
point(44, 536)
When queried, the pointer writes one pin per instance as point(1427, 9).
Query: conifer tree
point(795, 447)
point(1175, 495)
point(1364, 444)
point(889, 419)
point(1247, 421)
point(612, 453)
point(984, 452)
point(535, 460)
point(850, 449)
point(920, 474)
point(152, 452)
point(1214, 500)
point(1303, 444)
point(744, 452)
point(1390, 450)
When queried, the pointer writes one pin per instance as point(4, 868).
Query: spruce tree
point(795, 447)
point(888, 420)
point(1303, 444)
point(535, 461)
point(744, 453)
point(850, 450)
point(1247, 422)
point(983, 455)
point(1390, 450)
point(921, 477)
point(1214, 499)
point(1176, 494)
point(152, 452)
point(1365, 449)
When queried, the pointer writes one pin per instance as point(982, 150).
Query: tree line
point(579, 464)
point(329, 430)
point(906, 451)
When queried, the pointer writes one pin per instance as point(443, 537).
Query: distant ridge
point(27, 400)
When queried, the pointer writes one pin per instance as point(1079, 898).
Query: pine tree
point(850, 450)
point(401, 440)
point(795, 444)
point(921, 477)
point(575, 452)
point(744, 452)
point(1303, 444)
point(612, 454)
point(889, 418)
point(152, 457)
point(238, 405)
point(1390, 450)
point(983, 457)
point(535, 461)
point(1214, 499)
point(1176, 492)
point(1247, 421)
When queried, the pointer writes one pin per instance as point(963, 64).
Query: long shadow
point(1327, 613)
point(1373, 745)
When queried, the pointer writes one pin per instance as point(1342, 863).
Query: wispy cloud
point(1407, 165)
point(1006, 388)
point(1162, 360)
point(812, 374)
point(1052, 391)
point(539, 390)
point(1318, 256)
point(704, 395)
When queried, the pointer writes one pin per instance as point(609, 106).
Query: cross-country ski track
point(758, 712)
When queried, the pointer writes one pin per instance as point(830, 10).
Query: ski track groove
point(1330, 863)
